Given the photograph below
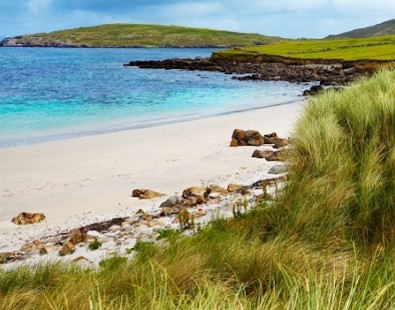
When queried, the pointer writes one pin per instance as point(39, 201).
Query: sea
point(49, 94)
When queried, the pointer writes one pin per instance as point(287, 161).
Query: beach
point(87, 179)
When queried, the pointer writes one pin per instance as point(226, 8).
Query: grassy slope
point(148, 35)
point(327, 243)
point(385, 28)
point(374, 48)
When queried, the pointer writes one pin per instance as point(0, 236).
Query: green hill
point(137, 35)
point(385, 28)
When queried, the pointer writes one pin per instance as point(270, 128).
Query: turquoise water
point(50, 94)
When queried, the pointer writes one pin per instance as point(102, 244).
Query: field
point(372, 48)
point(325, 242)
point(146, 35)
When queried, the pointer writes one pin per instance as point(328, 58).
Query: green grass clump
point(327, 242)
point(94, 245)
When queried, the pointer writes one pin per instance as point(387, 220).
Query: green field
point(373, 48)
point(146, 35)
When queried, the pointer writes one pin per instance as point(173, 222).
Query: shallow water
point(50, 94)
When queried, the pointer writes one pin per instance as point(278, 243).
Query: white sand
point(82, 180)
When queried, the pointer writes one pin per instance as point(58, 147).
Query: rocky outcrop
point(26, 218)
point(254, 138)
point(334, 73)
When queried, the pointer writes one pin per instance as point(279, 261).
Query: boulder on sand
point(26, 218)
point(146, 194)
point(277, 142)
point(249, 137)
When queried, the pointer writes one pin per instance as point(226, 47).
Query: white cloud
point(363, 6)
point(36, 6)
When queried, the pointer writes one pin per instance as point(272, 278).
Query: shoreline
point(143, 124)
point(89, 179)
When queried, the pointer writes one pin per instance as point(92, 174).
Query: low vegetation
point(373, 48)
point(136, 35)
point(325, 242)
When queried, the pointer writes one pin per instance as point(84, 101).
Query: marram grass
point(327, 242)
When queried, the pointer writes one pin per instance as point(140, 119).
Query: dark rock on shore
point(254, 138)
point(325, 74)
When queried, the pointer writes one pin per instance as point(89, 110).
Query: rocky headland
point(327, 74)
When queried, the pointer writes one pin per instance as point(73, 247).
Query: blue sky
point(287, 18)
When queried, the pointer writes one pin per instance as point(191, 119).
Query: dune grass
point(326, 242)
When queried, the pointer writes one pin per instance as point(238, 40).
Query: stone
point(237, 188)
point(232, 188)
point(171, 202)
point(80, 259)
point(249, 137)
point(67, 248)
point(38, 245)
point(238, 138)
point(78, 236)
point(277, 142)
point(278, 169)
point(144, 215)
point(43, 251)
point(270, 155)
point(193, 191)
point(146, 194)
point(27, 247)
point(314, 90)
point(166, 211)
point(254, 138)
point(191, 196)
point(26, 218)
point(262, 153)
point(213, 191)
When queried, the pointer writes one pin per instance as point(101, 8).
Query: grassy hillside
point(124, 35)
point(385, 28)
point(326, 241)
point(372, 48)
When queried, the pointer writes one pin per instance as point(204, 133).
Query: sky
point(286, 18)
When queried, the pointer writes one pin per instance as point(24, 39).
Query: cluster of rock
point(194, 207)
point(325, 74)
point(26, 218)
point(176, 212)
point(254, 138)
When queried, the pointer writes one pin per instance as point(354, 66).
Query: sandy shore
point(83, 180)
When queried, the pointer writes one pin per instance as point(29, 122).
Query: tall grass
point(327, 242)
point(343, 176)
